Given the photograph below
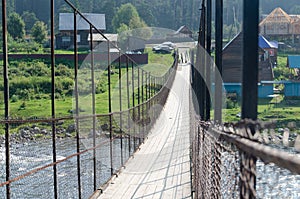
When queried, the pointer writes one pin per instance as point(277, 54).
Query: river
point(272, 182)
point(28, 156)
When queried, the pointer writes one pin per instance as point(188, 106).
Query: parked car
point(168, 43)
point(162, 49)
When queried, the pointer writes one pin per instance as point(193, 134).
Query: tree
point(29, 19)
point(124, 14)
point(39, 32)
point(16, 26)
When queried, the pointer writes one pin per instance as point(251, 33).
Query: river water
point(272, 182)
point(27, 156)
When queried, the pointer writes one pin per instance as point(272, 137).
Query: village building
point(65, 37)
point(232, 66)
point(279, 24)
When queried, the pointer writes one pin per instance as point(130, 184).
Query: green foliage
point(281, 73)
point(23, 106)
point(28, 69)
point(14, 98)
point(230, 104)
point(16, 26)
point(21, 46)
point(124, 15)
point(63, 70)
point(29, 20)
point(39, 32)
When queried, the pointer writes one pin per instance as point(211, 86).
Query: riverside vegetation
point(30, 92)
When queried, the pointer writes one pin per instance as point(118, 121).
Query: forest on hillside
point(157, 13)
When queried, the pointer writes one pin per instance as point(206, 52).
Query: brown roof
point(277, 16)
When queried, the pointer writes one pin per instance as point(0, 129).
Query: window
point(66, 39)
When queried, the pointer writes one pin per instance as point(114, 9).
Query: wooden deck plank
point(161, 168)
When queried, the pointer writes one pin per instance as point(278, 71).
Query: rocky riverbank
point(35, 132)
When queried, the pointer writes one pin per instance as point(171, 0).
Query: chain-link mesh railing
point(245, 160)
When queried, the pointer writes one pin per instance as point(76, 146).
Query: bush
point(63, 70)
point(281, 73)
point(230, 104)
point(14, 98)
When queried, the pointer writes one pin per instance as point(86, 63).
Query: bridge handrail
point(134, 137)
point(260, 150)
point(214, 144)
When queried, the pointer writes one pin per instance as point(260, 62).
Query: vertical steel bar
point(202, 66)
point(146, 86)
point(93, 107)
point(249, 91)
point(219, 63)
point(143, 114)
point(110, 109)
point(193, 68)
point(53, 99)
point(250, 60)
point(6, 95)
point(76, 101)
point(150, 86)
point(139, 108)
point(208, 65)
point(128, 105)
point(133, 105)
point(149, 97)
point(120, 102)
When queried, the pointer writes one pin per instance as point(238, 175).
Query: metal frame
point(139, 111)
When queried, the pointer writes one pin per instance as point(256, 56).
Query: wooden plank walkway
point(161, 168)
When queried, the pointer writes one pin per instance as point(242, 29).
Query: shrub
point(14, 98)
point(230, 103)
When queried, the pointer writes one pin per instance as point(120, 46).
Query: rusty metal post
point(93, 107)
point(219, 63)
point(77, 101)
point(120, 102)
point(6, 95)
point(53, 99)
point(110, 110)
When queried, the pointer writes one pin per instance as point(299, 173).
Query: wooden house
point(65, 37)
point(184, 31)
point(278, 23)
point(232, 62)
point(100, 43)
point(271, 47)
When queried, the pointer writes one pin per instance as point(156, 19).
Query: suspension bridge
point(162, 142)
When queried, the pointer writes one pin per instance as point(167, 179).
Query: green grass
point(281, 111)
point(158, 63)
point(41, 108)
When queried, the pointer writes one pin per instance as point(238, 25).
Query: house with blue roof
point(271, 47)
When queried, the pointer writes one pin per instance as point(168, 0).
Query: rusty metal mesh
point(228, 162)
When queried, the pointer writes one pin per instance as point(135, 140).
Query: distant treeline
point(159, 13)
